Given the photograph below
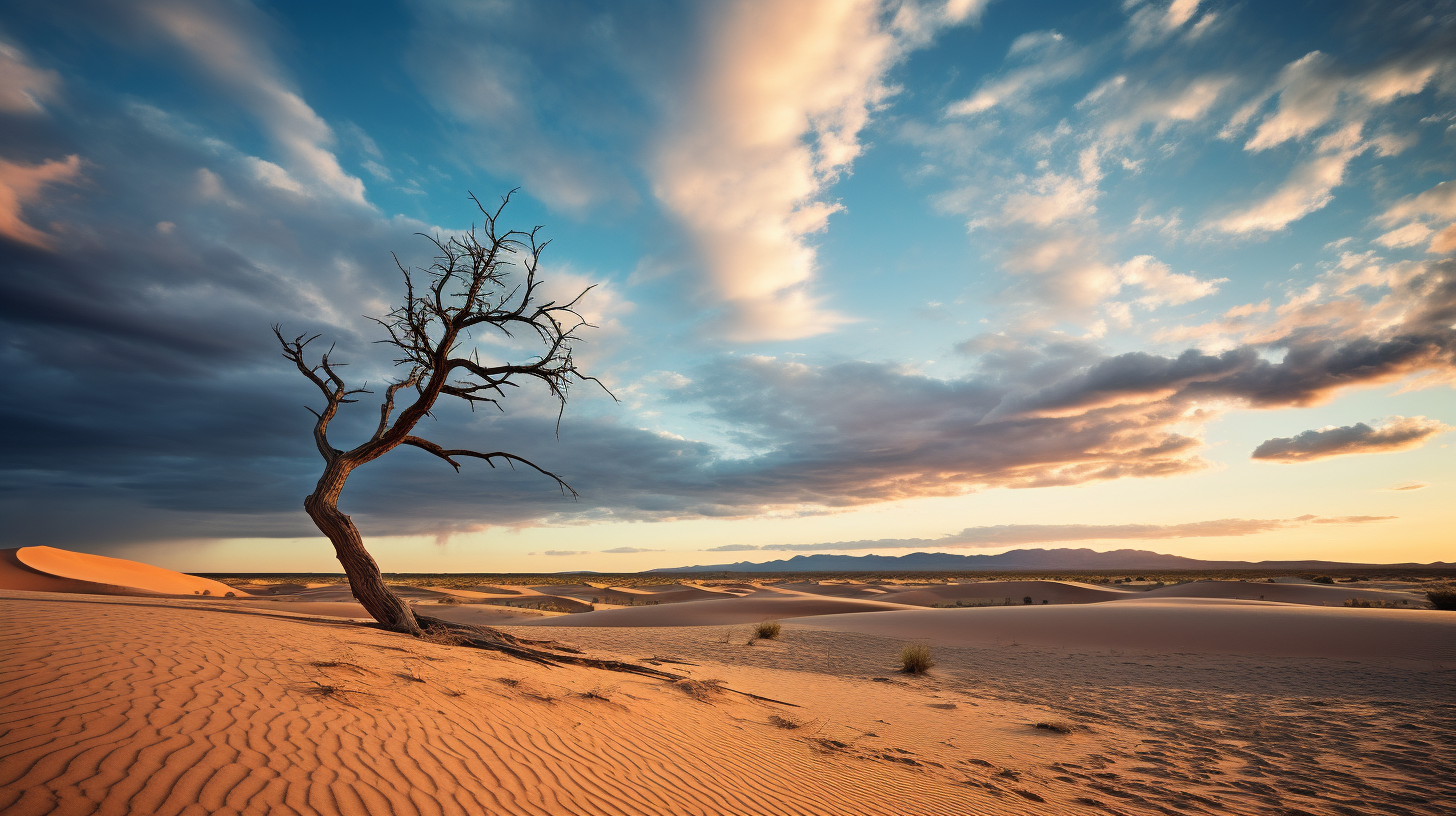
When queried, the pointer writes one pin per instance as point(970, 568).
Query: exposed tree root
point(544, 652)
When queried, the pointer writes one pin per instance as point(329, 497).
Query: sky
point(870, 276)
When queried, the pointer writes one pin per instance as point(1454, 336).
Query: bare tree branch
point(510, 458)
point(480, 281)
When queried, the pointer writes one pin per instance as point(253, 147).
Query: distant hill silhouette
point(1035, 559)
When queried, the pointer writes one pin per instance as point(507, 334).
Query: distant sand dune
point(1057, 592)
point(47, 569)
point(1309, 594)
point(717, 612)
point(1195, 626)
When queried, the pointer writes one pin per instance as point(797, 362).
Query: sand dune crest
point(48, 569)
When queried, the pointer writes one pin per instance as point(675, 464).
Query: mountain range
point(1035, 559)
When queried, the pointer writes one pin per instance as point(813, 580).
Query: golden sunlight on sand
point(1173, 701)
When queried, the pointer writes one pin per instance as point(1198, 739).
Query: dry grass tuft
point(703, 691)
point(331, 691)
point(338, 664)
point(1059, 726)
point(599, 693)
point(526, 690)
point(784, 722)
point(916, 659)
point(768, 630)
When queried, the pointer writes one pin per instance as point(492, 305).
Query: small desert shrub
point(916, 659)
point(701, 690)
point(599, 693)
point(332, 691)
point(1323, 579)
point(1360, 603)
point(448, 599)
point(768, 630)
point(784, 722)
point(1443, 598)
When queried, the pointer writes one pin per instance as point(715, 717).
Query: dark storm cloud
point(1399, 433)
point(227, 454)
point(145, 398)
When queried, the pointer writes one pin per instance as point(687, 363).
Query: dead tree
point(468, 289)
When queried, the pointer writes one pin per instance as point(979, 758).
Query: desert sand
point(1149, 702)
point(48, 569)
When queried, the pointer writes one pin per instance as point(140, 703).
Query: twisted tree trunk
point(365, 580)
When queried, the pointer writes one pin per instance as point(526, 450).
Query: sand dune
point(836, 589)
point(674, 593)
point(131, 708)
point(1057, 592)
point(1310, 594)
point(48, 569)
point(1194, 626)
point(717, 612)
point(189, 705)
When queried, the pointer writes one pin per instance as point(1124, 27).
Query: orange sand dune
point(1311, 594)
point(1057, 592)
point(836, 589)
point(478, 614)
point(718, 612)
point(143, 708)
point(48, 569)
point(671, 593)
point(1193, 626)
point(178, 706)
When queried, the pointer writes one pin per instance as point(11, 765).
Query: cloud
point(222, 39)
point(23, 87)
point(565, 552)
point(1405, 486)
point(230, 455)
point(1309, 188)
point(21, 184)
point(1317, 94)
point(1161, 285)
point(1044, 58)
point(1423, 214)
point(768, 122)
point(1152, 22)
point(1010, 535)
point(1313, 89)
point(733, 548)
point(143, 384)
point(1396, 434)
point(629, 550)
point(1126, 105)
